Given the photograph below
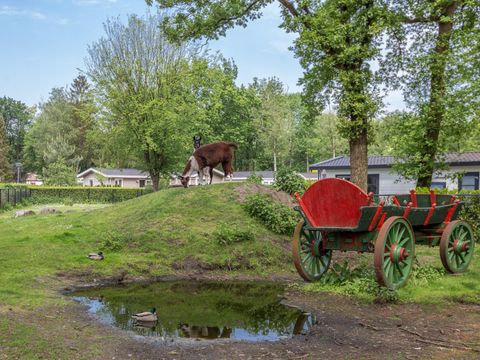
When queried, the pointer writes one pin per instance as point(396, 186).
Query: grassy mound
point(172, 231)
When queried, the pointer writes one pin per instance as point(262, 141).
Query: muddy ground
point(345, 330)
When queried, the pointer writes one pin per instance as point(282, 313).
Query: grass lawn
point(158, 234)
point(165, 233)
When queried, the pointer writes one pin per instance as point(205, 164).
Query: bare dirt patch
point(248, 189)
point(345, 329)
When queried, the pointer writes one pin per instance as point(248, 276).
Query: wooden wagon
point(338, 215)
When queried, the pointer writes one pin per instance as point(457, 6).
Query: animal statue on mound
point(206, 158)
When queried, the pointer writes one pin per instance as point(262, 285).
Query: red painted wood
point(450, 212)
point(430, 213)
point(407, 210)
point(370, 198)
point(307, 213)
point(334, 202)
point(413, 197)
point(382, 220)
point(452, 199)
point(433, 197)
point(371, 226)
point(395, 200)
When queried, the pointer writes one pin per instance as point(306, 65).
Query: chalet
point(128, 178)
point(383, 180)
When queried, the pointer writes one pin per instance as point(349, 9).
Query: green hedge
point(80, 194)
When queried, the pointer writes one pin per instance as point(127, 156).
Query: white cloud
point(13, 11)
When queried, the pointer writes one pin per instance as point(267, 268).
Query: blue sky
point(44, 42)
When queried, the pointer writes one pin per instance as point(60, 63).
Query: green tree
point(84, 122)
point(273, 122)
point(435, 45)
point(5, 166)
point(17, 117)
point(148, 88)
point(337, 41)
point(51, 139)
point(58, 173)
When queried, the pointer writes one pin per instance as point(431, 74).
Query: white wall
point(126, 182)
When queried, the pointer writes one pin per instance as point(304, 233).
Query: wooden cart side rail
point(305, 210)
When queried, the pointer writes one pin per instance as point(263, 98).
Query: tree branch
point(289, 6)
point(421, 20)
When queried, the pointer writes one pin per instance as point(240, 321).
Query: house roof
point(377, 161)
point(246, 174)
point(120, 173)
point(268, 174)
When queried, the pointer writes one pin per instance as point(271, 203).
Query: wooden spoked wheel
point(394, 252)
point(456, 246)
point(310, 260)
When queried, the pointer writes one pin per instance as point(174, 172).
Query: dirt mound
point(247, 189)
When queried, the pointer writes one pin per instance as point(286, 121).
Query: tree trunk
point(155, 181)
point(436, 107)
point(359, 160)
point(274, 156)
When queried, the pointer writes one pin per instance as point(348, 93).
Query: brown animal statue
point(206, 158)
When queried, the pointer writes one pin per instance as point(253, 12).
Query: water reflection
point(200, 310)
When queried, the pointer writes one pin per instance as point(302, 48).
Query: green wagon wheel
point(394, 252)
point(310, 260)
point(456, 246)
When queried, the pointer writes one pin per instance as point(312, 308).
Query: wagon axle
point(460, 246)
point(398, 254)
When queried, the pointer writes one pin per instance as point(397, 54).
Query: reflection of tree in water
point(205, 332)
point(206, 310)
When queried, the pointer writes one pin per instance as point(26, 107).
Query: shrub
point(288, 181)
point(114, 241)
point(227, 234)
point(255, 179)
point(274, 215)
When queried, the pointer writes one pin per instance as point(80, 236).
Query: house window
point(142, 183)
point(438, 185)
point(91, 182)
point(373, 182)
point(118, 182)
point(469, 181)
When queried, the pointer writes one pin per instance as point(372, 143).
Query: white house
point(382, 180)
point(128, 178)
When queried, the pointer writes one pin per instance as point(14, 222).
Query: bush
point(255, 179)
point(274, 215)
point(227, 234)
point(288, 181)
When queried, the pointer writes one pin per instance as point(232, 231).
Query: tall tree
point(149, 91)
point(5, 166)
point(337, 42)
point(17, 117)
point(51, 140)
point(435, 45)
point(273, 121)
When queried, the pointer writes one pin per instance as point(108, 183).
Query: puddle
point(249, 311)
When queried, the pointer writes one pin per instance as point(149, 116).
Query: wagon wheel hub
point(460, 246)
point(398, 254)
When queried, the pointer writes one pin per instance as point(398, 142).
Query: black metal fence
point(13, 196)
